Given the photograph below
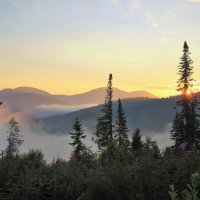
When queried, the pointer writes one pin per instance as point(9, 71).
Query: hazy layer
point(54, 146)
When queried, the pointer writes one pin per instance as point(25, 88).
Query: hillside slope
point(150, 115)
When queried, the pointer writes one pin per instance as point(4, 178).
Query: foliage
point(150, 148)
point(191, 192)
point(173, 193)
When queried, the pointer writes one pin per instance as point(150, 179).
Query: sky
point(71, 46)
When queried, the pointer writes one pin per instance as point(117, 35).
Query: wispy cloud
point(163, 40)
point(116, 2)
point(135, 4)
point(195, 1)
point(132, 4)
point(160, 87)
point(152, 20)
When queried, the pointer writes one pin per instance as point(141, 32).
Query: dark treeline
point(123, 168)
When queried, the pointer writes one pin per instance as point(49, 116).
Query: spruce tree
point(194, 123)
point(185, 86)
point(186, 123)
point(104, 128)
point(121, 127)
point(178, 129)
point(185, 71)
point(136, 140)
point(77, 137)
point(14, 138)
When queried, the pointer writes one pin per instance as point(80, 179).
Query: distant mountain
point(31, 90)
point(152, 116)
point(97, 96)
point(27, 98)
point(24, 90)
point(20, 102)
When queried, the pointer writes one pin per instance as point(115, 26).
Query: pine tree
point(14, 138)
point(178, 129)
point(194, 123)
point(136, 140)
point(121, 127)
point(185, 71)
point(104, 128)
point(186, 123)
point(185, 87)
point(77, 137)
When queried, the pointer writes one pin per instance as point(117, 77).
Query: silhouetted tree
point(178, 129)
point(185, 71)
point(136, 140)
point(121, 127)
point(14, 138)
point(194, 122)
point(77, 137)
point(186, 124)
point(104, 128)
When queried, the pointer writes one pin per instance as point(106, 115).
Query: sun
point(188, 92)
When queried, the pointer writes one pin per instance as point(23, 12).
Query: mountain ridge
point(28, 97)
point(27, 89)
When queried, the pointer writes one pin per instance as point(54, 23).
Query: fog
point(162, 138)
point(53, 146)
point(57, 146)
point(48, 110)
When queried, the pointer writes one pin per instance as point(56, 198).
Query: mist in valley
point(57, 145)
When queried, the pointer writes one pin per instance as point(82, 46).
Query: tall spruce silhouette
point(121, 127)
point(186, 124)
point(77, 135)
point(104, 128)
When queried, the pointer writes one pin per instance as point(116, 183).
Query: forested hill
point(150, 115)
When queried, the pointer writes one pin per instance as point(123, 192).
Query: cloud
point(116, 2)
point(164, 40)
point(36, 5)
point(152, 20)
point(194, 1)
point(135, 4)
point(6, 114)
point(160, 87)
point(132, 4)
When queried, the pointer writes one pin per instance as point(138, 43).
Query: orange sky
point(70, 47)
